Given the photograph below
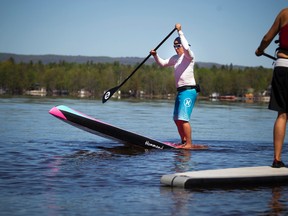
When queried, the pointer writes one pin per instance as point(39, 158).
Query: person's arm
point(187, 51)
point(268, 37)
point(160, 61)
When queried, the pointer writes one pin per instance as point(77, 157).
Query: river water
point(48, 167)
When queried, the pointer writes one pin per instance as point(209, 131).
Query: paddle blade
point(109, 94)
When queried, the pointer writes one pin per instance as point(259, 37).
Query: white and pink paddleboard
point(228, 177)
point(106, 130)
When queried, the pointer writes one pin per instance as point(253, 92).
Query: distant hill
point(46, 59)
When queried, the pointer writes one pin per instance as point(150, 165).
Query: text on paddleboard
point(153, 145)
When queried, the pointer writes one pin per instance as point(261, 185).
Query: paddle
point(269, 56)
point(111, 91)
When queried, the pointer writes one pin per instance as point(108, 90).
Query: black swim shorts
point(279, 90)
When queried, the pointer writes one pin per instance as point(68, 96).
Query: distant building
point(39, 92)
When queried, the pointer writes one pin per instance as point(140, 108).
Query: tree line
point(151, 80)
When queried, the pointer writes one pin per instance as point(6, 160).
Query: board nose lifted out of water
point(95, 126)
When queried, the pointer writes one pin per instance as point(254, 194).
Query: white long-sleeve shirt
point(183, 65)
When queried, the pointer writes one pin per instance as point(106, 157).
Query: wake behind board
point(229, 177)
point(105, 130)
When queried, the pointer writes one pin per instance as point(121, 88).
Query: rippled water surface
point(48, 167)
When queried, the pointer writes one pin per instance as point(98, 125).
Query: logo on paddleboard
point(153, 145)
point(187, 102)
point(107, 95)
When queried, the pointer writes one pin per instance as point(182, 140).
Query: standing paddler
point(183, 63)
point(279, 91)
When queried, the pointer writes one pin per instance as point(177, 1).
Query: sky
point(220, 31)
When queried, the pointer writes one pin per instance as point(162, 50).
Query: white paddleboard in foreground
point(229, 177)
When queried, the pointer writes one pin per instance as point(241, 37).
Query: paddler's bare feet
point(191, 146)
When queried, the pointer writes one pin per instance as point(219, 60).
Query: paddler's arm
point(160, 61)
point(268, 37)
point(187, 51)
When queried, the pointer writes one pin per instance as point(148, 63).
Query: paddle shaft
point(269, 56)
point(147, 58)
point(110, 92)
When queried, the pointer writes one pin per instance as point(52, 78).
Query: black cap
point(177, 41)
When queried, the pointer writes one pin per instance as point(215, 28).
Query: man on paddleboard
point(183, 63)
point(279, 91)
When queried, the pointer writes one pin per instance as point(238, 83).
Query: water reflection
point(278, 204)
point(184, 201)
point(182, 161)
point(125, 150)
point(181, 200)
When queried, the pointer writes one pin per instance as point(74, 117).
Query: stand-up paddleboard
point(106, 130)
point(103, 129)
point(229, 177)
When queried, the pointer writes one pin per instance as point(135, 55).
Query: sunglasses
point(177, 46)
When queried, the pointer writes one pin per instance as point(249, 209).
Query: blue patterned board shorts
point(184, 104)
